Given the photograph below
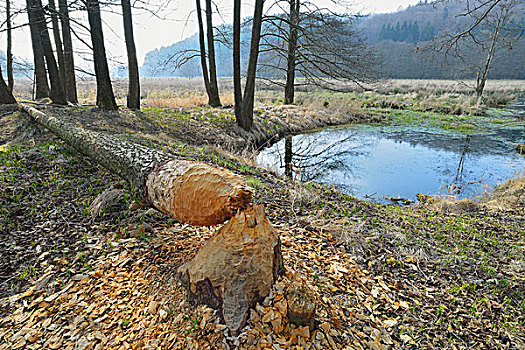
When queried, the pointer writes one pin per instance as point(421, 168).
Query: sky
point(175, 21)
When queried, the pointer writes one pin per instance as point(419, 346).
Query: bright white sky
point(178, 22)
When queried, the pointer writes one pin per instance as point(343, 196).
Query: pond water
point(381, 163)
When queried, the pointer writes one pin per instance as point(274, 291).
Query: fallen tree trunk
point(189, 191)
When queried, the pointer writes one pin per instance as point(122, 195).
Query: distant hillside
point(162, 62)
point(398, 38)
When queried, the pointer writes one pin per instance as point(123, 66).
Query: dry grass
point(434, 86)
point(185, 92)
point(508, 196)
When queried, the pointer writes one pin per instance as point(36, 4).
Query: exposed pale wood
point(237, 267)
point(189, 191)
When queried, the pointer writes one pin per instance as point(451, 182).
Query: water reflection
point(376, 163)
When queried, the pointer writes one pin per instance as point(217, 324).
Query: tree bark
point(237, 89)
point(6, 96)
point(70, 85)
point(215, 101)
point(244, 103)
point(484, 73)
point(42, 86)
point(9, 53)
point(249, 88)
point(105, 96)
point(133, 65)
point(56, 93)
point(58, 42)
point(236, 268)
point(202, 49)
point(293, 18)
point(191, 192)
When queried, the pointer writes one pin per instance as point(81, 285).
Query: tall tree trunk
point(215, 101)
point(133, 65)
point(58, 42)
point(105, 96)
point(69, 64)
point(10, 78)
point(293, 18)
point(189, 191)
point(202, 49)
point(56, 92)
point(237, 89)
point(249, 88)
point(484, 73)
point(6, 96)
point(41, 84)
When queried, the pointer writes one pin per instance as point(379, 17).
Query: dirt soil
point(383, 277)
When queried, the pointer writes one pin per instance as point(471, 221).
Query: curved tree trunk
point(133, 65)
point(188, 191)
point(70, 84)
point(105, 96)
point(484, 72)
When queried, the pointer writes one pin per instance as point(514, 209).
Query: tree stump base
point(236, 268)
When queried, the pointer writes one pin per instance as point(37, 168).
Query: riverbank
point(382, 276)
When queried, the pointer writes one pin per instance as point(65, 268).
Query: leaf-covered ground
point(424, 276)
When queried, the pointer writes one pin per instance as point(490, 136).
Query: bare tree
point(58, 41)
point(322, 47)
point(105, 96)
point(293, 18)
point(70, 84)
point(202, 49)
point(244, 102)
point(209, 75)
point(214, 86)
point(42, 86)
point(484, 25)
point(133, 66)
point(9, 53)
point(56, 92)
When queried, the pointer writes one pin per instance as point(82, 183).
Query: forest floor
point(431, 275)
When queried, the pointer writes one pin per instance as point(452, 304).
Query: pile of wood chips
point(132, 300)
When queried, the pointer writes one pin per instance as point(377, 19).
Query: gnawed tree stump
point(189, 191)
point(237, 267)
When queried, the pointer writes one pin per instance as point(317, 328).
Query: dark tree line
point(410, 33)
